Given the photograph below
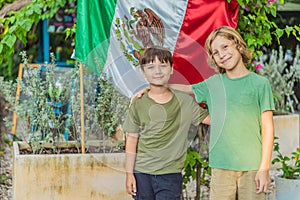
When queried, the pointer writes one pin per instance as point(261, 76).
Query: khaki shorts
point(234, 185)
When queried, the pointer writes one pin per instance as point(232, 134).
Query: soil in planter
point(72, 149)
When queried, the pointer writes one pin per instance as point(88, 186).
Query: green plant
point(282, 77)
point(3, 179)
point(50, 101)
point(103, 105)
point(257, 25)
point(290, 165)
point(19, 25)
point(196, 164)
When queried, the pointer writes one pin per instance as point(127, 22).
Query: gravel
point(6, 173)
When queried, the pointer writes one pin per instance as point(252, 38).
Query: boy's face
point(157, 73)
point(225, 54)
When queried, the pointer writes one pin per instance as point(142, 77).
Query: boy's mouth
point(225, 60)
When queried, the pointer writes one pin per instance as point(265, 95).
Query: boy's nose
point(222, 54)
point(157, 69)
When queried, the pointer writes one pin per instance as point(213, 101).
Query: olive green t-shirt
point(235, 107)
point(163, 131)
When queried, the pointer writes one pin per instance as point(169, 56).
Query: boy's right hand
point(130, 184)
point(139, 94)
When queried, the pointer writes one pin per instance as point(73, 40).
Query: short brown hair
point(149, 55)
point(230, 34)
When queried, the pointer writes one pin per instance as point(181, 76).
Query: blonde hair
point(230, 34)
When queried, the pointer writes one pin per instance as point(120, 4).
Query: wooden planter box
point(68, 176)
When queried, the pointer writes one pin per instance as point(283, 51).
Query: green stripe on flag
point(94, 20)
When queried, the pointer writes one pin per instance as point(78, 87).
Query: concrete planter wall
point(69, 176)
point(287, 130)
point(99, 176)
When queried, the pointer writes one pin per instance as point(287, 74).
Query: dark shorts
point(158, 187)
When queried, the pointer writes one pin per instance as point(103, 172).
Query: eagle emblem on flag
point(142, 29)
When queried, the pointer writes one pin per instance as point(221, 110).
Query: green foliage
point(257, 26)
point(17, 26)
point(112, 107)
point(290, 165)
point(39, 100)
point(44, 92)
point(104, 107)
point(195, 163)
point(70, 31)
point(282, 78)
point(3, 179)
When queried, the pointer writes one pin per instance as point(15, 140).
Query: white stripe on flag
point(125, 74)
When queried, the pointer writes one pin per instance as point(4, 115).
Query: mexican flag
point(111, 35)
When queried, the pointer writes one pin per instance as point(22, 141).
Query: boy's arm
point(184, 88)
point(262, 177)
point(130, 147)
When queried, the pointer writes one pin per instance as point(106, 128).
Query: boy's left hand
point(130, 184)
point(262, 180)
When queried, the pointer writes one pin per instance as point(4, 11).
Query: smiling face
point(228, 36)
point(226, 54)
point(157, 73)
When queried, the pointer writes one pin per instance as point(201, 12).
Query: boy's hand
point(262, 180)
point(139, 94)
point(130, 184)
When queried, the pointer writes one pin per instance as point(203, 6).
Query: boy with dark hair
point(157, 127)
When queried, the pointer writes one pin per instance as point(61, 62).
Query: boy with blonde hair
point(241, 105)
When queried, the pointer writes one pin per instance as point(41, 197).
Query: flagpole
point(82, 108)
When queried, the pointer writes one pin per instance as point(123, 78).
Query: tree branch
point(17, 5)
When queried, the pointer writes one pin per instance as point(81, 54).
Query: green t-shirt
point(235, 107)
point(163, 131)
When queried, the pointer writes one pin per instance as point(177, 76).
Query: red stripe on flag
point(201, 17)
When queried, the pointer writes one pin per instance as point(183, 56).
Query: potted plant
point(287, 183)
point(47, 163)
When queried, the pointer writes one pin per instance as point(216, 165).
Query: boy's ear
point(172, 69)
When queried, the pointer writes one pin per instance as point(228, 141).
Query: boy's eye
point(151, 66)
point(215, 53)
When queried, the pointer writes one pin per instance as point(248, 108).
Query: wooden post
point(82, 108)
point(20, 74)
